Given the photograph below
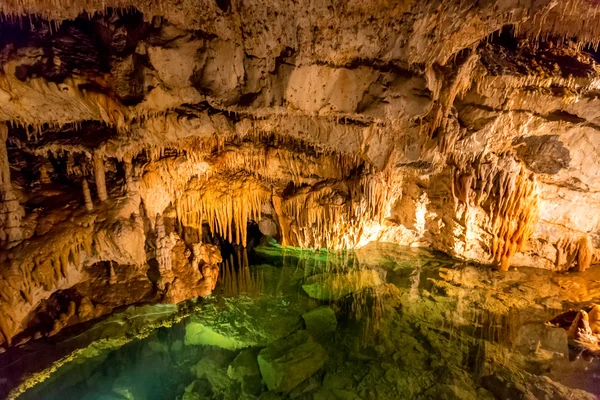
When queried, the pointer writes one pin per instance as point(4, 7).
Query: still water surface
point(383, 322)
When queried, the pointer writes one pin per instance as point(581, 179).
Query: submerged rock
point(200, 334)
point(244, 323)
point(197, 390)
point(245, 364)
point(213, 368)
point(455, 392)
point(507, 385)
point(335, 394)
point(335, 286)
point(321, 321)
point(291, 360)
point(244, 369)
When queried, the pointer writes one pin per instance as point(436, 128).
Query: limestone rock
point(291, 360)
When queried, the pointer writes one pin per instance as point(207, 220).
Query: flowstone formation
point(134, 135)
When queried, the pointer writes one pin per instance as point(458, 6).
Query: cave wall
point(468, 127)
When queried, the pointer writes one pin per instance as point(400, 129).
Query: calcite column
point(131, 184)
point(100, 176)
point(112, 275)
point(11, 211)
point(164, 245)
point(87, 196)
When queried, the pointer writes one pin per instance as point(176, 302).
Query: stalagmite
point(580, 326)
point(45, 171)
point(87, 196)
point(594, 318)
point(100, 176)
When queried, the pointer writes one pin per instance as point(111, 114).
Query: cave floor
point(376, 323)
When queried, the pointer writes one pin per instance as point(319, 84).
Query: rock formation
point(468, 127)
point(583, 328)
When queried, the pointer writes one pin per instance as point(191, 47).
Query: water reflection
point(381, 322)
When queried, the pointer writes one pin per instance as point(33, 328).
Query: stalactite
point(508, 192)
point(262, 162)
point(330, 219)
point(571, 251)
point(100, 176)
point(446, 90)
point(227, 205)
point(45, 268)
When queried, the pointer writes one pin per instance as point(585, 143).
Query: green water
point(381, 323)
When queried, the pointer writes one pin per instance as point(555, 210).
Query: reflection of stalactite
point(508, 192)
point(237, 276)
point(579, 251)
point(368, 306)
point(415, 281)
